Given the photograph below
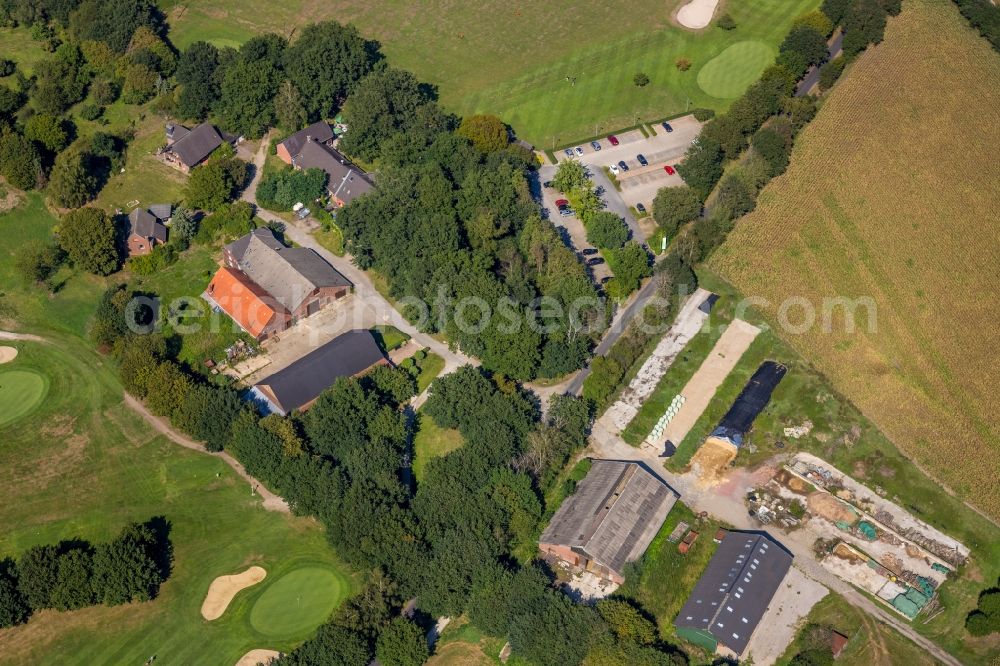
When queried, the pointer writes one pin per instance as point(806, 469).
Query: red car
point(669, 169)
point(561, 202)
point(613, 140)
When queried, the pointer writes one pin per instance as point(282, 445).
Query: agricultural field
point(896, 211)
point(555, 72)
point(840, 434)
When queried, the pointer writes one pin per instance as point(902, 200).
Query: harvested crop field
point(902, 209)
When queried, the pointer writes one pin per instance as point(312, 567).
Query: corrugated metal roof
point(614, 514)
point(303, 381)
point(733, 593)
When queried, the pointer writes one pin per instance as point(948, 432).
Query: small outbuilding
point(733, 593)
point(610, 520)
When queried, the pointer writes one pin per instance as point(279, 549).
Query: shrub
point(487, 133)
point(91, 111)
point(726, 22)
point(816, 20)
point(683, 64)
point(640, 79)
point(735, 199)
point(673, 206)
point(773, 147)
point(283, 189)
point(703, 115)
point(606, 230)
point(104, 91)
point(830, 72)
point(7, 67)
point(148, 264)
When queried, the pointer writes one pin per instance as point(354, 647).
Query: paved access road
point(366, 296)
point(812, 76)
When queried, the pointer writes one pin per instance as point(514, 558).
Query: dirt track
point(271, 502)
point(701, 388)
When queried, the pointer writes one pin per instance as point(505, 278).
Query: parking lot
point(640, 183)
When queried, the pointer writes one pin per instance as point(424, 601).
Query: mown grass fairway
point(81, 464)
point(298, 602)
point(20, 392)
point(557, 72)
point(892, 195)
point(729, 73)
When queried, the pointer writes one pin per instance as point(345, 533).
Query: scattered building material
point(689, 321)
point(678, 532)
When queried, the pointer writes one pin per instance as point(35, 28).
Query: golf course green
point(298, 602)
point(20, 392)
point(728, 74)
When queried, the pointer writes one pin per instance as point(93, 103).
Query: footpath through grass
point(83, 465)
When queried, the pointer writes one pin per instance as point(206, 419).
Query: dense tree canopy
point(487, 133)
point(326, 62)
point(88, 237)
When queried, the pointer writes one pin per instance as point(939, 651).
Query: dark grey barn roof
point(290, 275)
point(615, 512)
point(320, 131)
point(344, 180)
point(303, 381)
point(239, 246)
point(146, 225)
point(197, 144)
point(733, 593)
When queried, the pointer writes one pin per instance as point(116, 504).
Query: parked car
point(595, 145)
point(561, 202)
point(613, 140)
point(569, 151)
point(642, 159)
point(547, 184)
point(596, 261)
point(565, 211)
point(579, 151)
point(669, 169)
point(588, 252)
point(622, 165)
point(639, 207)
point(667, 127)
point(614, 169)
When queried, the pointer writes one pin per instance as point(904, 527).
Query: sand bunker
point(258, 656)
point(697, 14)
point(711, 463)
point(7, 354)
point(224, 588)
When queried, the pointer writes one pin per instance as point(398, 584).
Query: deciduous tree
point(88, 237)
